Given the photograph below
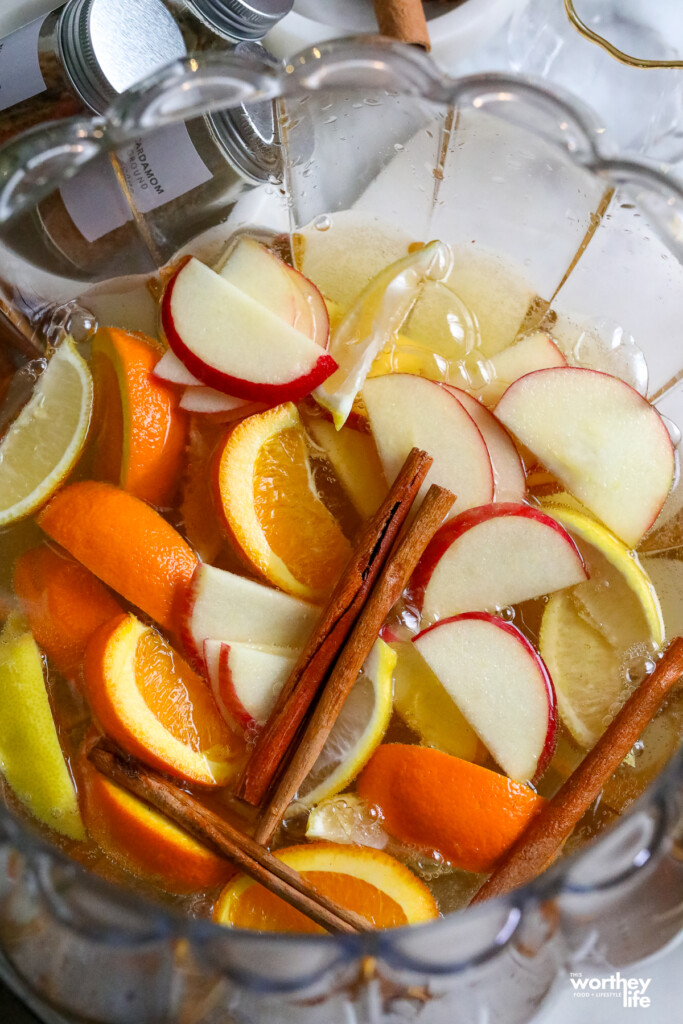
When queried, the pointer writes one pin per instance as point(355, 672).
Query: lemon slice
point(371, 322)
point(31, 758)
point(358, 730)
point(598, 637)
point(346, 818)
point(41, 446)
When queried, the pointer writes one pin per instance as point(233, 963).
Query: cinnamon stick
point(208, 828)
point(335, 624)
point(386, 593)
point(552, 826)
point(404, 20)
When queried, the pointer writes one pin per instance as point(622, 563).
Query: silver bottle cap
point(240, 19)
point(248, 134)
point(109, 45)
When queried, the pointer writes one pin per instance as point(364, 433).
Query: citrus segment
point(42, 445)
point(63, 603)
point(372, 321)
point(367, 881)
point(597, 636)
point(124, 542)
point(434, 801)
point(358, 730)
point(271, 507)
point(145, 842)
point(141, 430)
point(426, 707)
point(31, 757)
point(151, 702)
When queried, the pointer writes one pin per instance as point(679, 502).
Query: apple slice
point(406, 410)
point(235, 344)
point(509, 480)
point(353, 457)
point(536, 351)
point(246, 679)
point(218, 603)
point(263, 276)
point(605, 443)
point(492, 557)
point(207, 400)
point(501, 686)
point(172, 371)
point(312, 317)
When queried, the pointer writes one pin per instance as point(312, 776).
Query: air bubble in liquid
point(507, 613)
point(605, 345)
point(322, 223)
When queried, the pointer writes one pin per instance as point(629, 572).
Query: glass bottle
point(80, 57)
point(130, 212)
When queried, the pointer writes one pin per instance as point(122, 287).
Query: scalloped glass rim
point(34, 163)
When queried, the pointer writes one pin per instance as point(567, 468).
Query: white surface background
point(665, 971)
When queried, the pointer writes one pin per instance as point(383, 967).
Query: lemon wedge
point(371, 322)
point(43, 443)
point(358, 730)
point(31, 758)
point(598, 637)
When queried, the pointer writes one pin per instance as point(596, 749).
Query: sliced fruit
point(346, 819)
point(219, 604)
point(172, 371)
point(470, 815)
point(370, 882)
point(271, 509)
point(509, 482)
point(407, 411)
point(372, 320)
point(140, 430)
point(604, 546)
point(246, 680)
point(262, 276)
point(215, 403)
point(535, 351)
point(494, 556)
point(606, 444)
point(63, 603)
point(428, 709)
point(312, 317)
point(124, 542)
point(353, 457)
point(31, 758)
point(357, 732)
point(234, 344)
point(41, 447)
point(145, 842)
point(155, 707)
point(501, 686)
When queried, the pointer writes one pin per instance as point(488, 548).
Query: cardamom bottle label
point(20, 74)
point(157, 169)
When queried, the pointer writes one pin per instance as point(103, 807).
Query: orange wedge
point(434, 801)
point(271, 508)
point(379, 888)
point(145, 842)
point(63, 603)
point(124, 542)
point(140, 428)
point(148, 699)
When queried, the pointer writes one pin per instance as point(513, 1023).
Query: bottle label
point(157, 169)
point(20, 74)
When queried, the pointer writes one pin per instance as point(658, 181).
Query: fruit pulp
point(452, 334)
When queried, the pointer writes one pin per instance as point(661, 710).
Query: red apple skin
point(449, 532)
point(551, 735)
point(311, 295)
point(233, 705)
point(256, 391)
point(185, 604)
